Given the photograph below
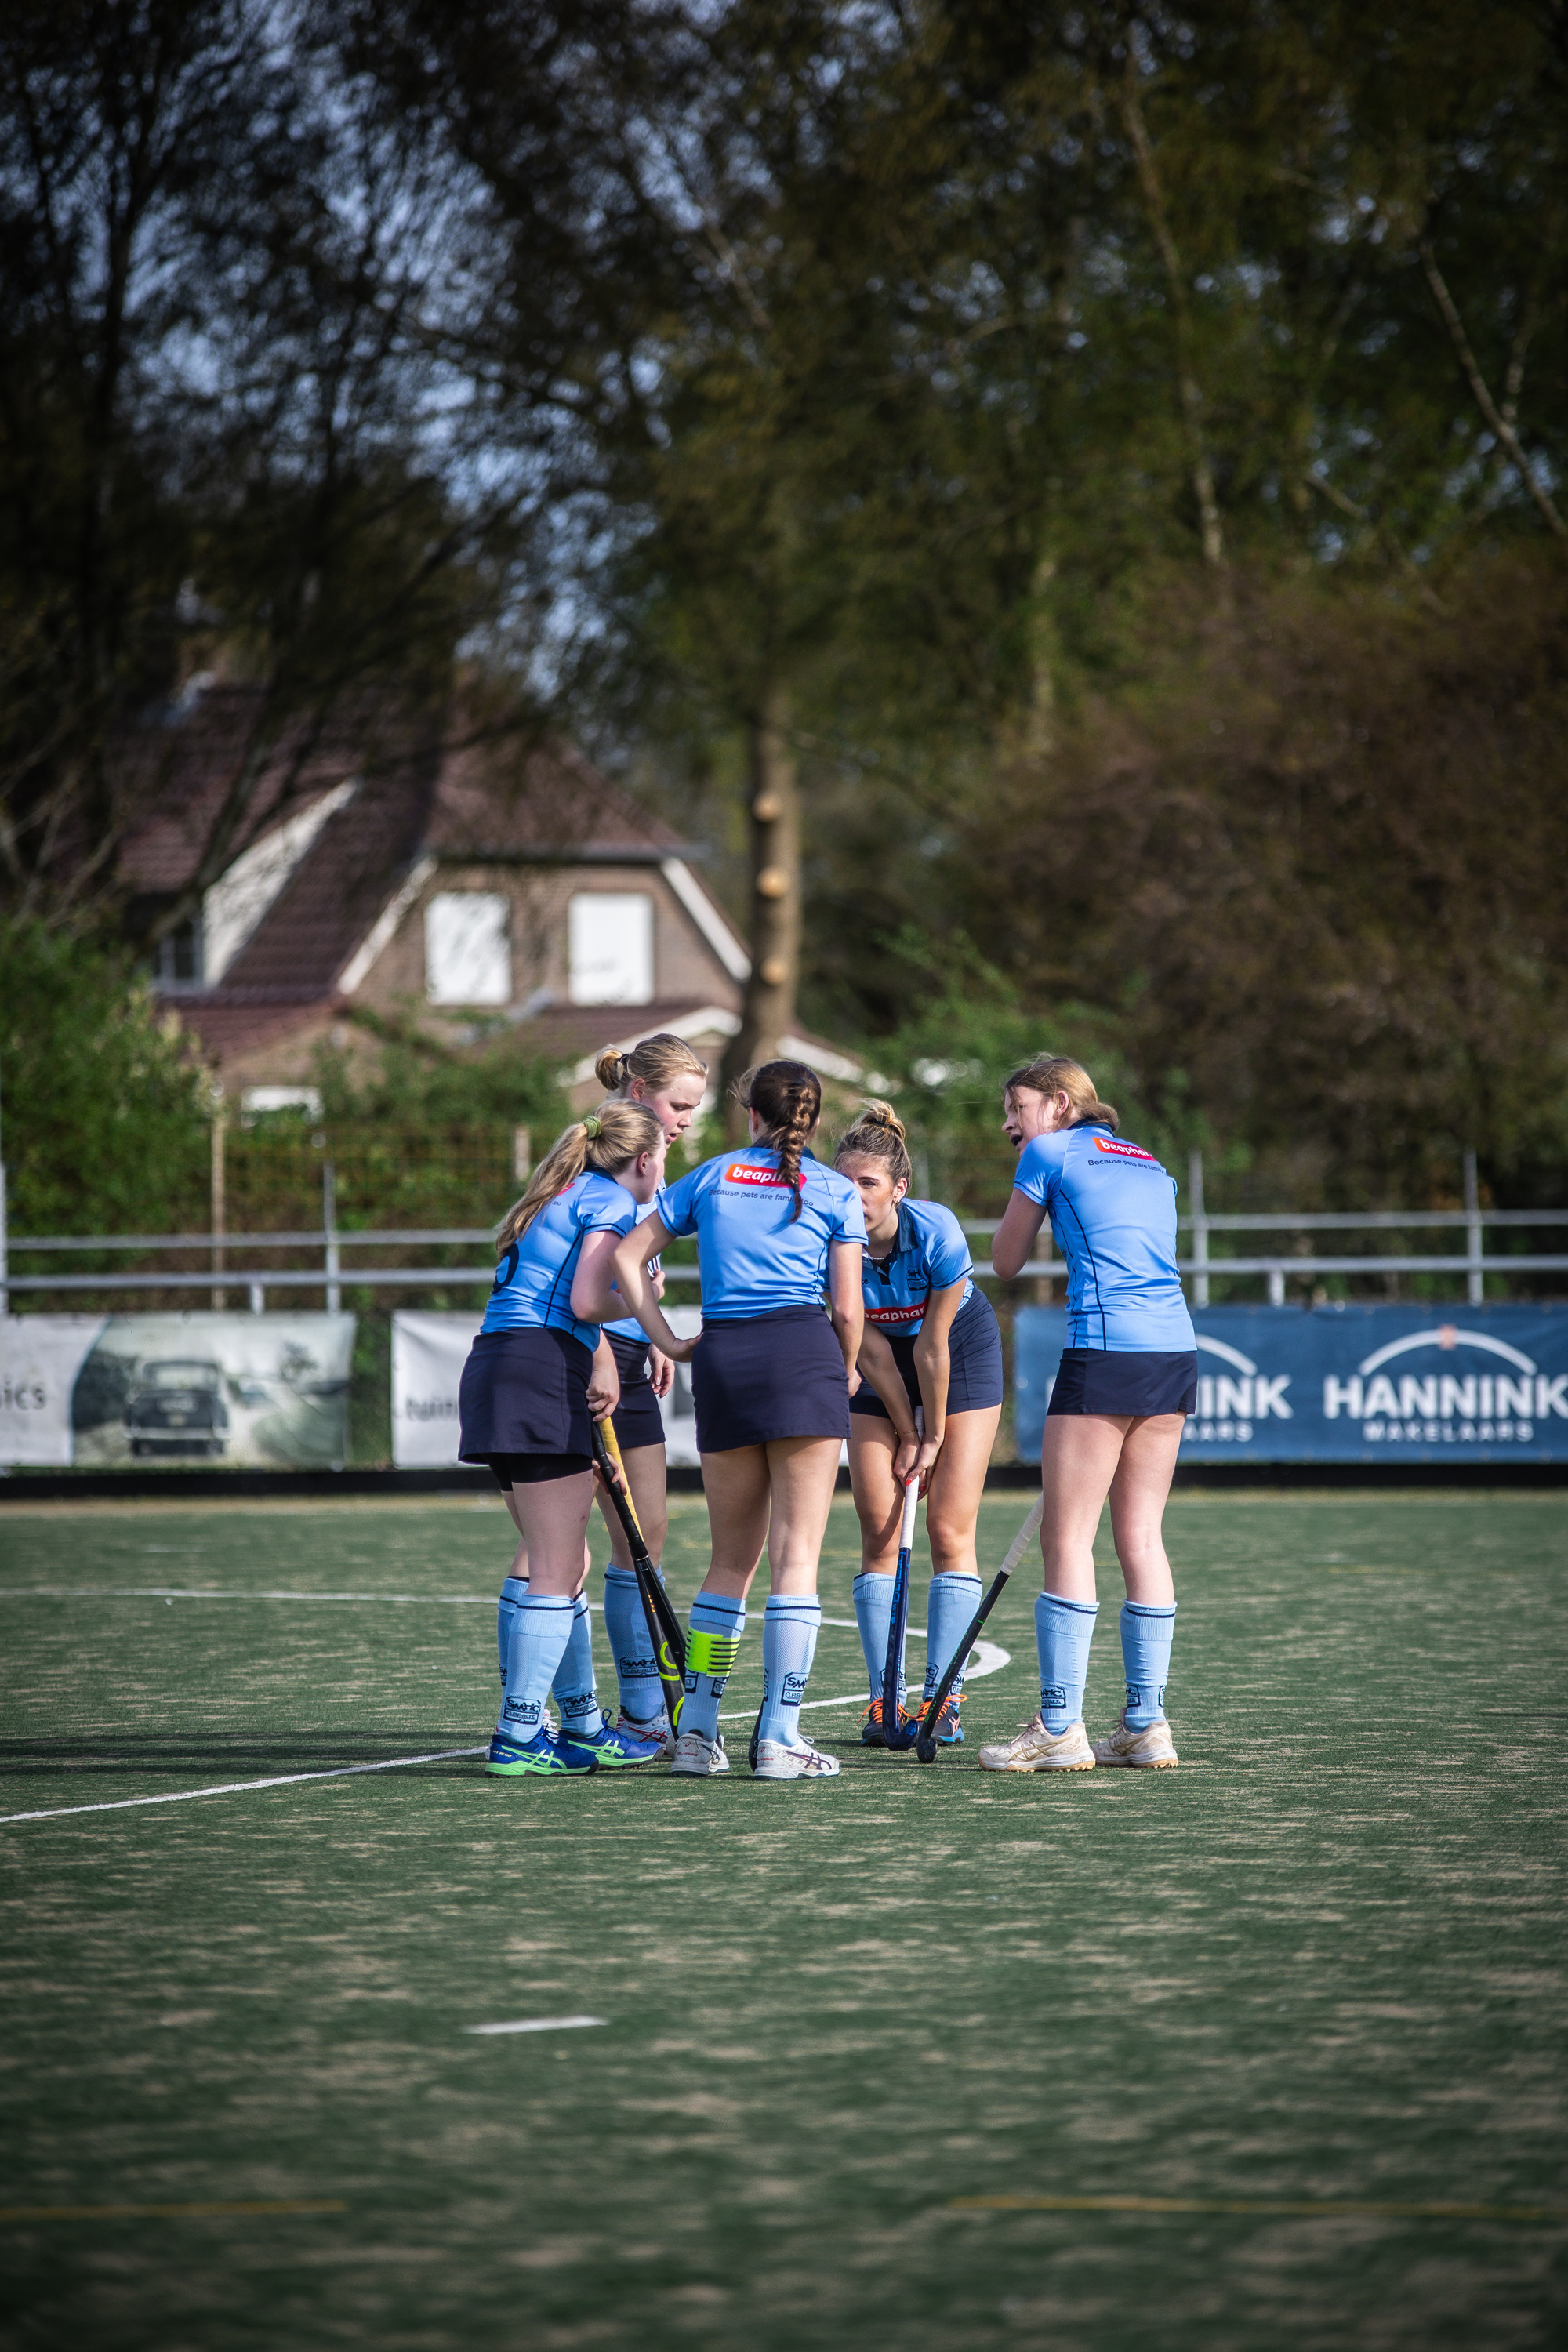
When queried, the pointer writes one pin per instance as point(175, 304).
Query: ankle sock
point(1146, 1636)
point(574, 1686)
point(541, 1629)
point(950, 1603)
point(716, 1627)
point(511, 1591)
point(874, 1615)
point(1062, 1632)
point(790, 1625)
point(631, 1645)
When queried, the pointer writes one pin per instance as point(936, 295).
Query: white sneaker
point(776, 1761)
point(1033, 1749)
point(1152, 1750)
point(657, 1728)
point(696, 1758)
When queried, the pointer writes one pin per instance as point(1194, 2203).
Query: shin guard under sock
point(874, 1615)
point(541, 1629)
point(950, 1603)
point(1146, 1635)
point(631, 1645)
point(511, 1592)
point(717, 1625)
point(789, 1624)
point(1062, 1632)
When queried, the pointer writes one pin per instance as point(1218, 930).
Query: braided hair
point(787, 1098)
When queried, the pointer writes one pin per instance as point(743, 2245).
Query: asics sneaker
point(656, 1728)
point(516, 1759)
point(1033, 1749)
point(697, 1759)
point(1152, 1750)
point(950, 1722)
point(612, 1750)
point(801, 1762)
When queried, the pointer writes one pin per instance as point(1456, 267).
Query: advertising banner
point(243, 1391)
point(428, 1352)
point(1349, 1383)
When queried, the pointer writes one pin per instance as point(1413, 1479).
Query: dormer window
point(610, 947)
point(177, 958)
point(468, 949)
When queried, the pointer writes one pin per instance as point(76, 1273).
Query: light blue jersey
point(626, 1327)
point(1112, 1209)
point(929, 1254)
point(755, 1259)
point(533, 1281)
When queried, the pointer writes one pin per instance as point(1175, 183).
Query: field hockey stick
point(664, 1630)
point(896, 1734)
point(925, 1744)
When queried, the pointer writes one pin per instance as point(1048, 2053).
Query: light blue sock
point(1146, 1637)
point(717, 1625)
point(625, 1629)
point(541, 1629)
point(511, 1592)
point(575, 1689)
point(1062, 1632)
point(789, 1626)
point(950, 1603)
point(874, 1615)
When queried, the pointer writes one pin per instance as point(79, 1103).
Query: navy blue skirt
point(779, 1375)
point(1114, 1380)
point(974, 1360)
point(524, 1392)
point(638, 1420)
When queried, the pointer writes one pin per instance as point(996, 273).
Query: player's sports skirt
point(522, 1403)
point(1097, 1379)
point(779, 1375)
point(638, 1420)
point(974, 1361)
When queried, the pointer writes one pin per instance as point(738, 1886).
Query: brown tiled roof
point(502, 799)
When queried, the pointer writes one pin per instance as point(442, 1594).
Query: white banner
point(428, 1352)
point(41, 1356)
point(249, 1391)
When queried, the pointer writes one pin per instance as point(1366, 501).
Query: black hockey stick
point(664, 1628)
point(925, 1744)
point(894, 1729)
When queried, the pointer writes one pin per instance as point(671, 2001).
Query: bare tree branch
point(1495, 416)
point(1336, 498)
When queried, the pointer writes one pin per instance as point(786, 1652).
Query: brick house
point(457, 885)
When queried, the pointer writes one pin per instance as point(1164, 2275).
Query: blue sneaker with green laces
point(514, 1759)
point(609, 1748)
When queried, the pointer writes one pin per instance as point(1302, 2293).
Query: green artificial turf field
point(1298, 1997)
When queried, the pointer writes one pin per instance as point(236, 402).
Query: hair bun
point(610, 1070)
point(877, 1113)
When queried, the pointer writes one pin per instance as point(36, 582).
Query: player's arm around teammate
point(931, 1341)
point(770, 1381)
point(661, 1074)
point(530, 1393)
point(1127, 1380)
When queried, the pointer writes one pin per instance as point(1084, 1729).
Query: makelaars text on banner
point(1349, 1383)
point(241, 1391)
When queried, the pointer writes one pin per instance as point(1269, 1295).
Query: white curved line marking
point(1231, 1355)
point(1434, 1340)
point(538, 2025)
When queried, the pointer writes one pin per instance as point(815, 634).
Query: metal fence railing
point(1202, 1268)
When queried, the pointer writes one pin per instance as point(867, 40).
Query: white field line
point(988, 1656)
point(189, 1592)
point(538, 2025)
point(235, 1788)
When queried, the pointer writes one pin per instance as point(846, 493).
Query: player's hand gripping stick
point(897, 1734)
point(925, 1743)
point(664, 1629)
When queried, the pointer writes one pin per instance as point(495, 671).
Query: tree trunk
point(768, 1012)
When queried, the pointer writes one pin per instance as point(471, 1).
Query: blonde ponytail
point(606, 1139)
point(657, 1061)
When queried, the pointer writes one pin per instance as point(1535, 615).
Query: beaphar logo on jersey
point(1469, 1406)
point(744, 1171)
point(1119, 1150)
point(896, 1313)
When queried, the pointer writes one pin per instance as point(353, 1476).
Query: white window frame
point(474, 970)
point(623, 975)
